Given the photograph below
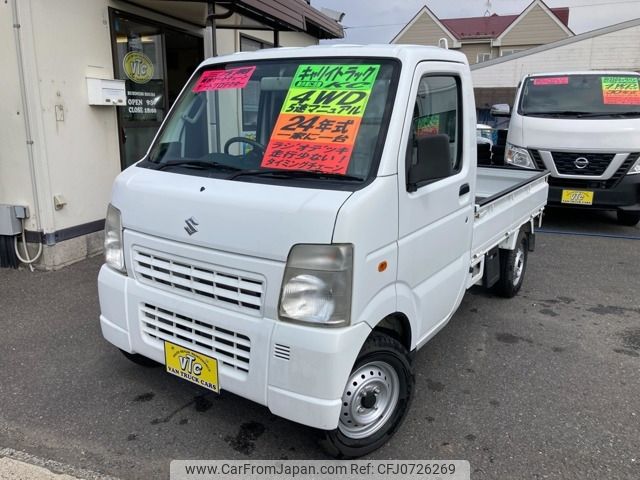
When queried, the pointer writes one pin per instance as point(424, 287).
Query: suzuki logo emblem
point(581, 163)
point(191, 226)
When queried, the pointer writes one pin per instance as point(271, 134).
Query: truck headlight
point(635, 168)
point(316, 287)
point(518, 157)
point(113, 250)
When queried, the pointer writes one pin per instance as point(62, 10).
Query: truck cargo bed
point(506, 198)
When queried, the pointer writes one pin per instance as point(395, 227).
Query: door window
point(437, 111)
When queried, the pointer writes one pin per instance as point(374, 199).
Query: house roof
point(560, 43)
point(490, 26)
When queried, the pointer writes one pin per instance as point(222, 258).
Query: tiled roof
point(490, 26)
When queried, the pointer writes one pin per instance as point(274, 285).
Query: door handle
point(464, 189)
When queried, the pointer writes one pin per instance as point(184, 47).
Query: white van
point(584, 127)
point(306, 219)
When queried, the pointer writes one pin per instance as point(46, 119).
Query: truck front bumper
point(624, 196)
point(298, 372)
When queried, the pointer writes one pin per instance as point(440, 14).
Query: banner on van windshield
point(320, 118)
point(620, 91)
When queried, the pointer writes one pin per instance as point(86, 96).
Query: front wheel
point(375, 399)
point(513, 265)
point(629, 219)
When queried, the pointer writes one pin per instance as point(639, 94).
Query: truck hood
point(615, 135)
point(240, 217)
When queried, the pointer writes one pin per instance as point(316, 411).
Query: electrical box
point(10, 216)
point(106, 92)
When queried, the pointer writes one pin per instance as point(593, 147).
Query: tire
point(388, 383)
point(141, 360)
point(513, 266)
point(629, 219)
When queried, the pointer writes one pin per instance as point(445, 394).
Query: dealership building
point(84, 88)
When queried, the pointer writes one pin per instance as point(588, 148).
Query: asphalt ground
point(545, 385)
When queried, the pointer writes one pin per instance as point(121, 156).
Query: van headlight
point(113, 250)
point(635, 168)
point(316, 288)
point(518, 157)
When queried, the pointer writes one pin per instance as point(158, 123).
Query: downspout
point(27, 124)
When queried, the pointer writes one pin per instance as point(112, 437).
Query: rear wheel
point(513, 265)
point(140, 360)
point(375, 399)
point(628, 218)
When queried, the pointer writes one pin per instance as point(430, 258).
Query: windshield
point(581, 96)
point(300, 119)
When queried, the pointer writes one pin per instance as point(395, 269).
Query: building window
point(483, 57)
point(504, 53)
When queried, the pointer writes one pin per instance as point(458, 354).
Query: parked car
point(584, 127)
point(303, 273)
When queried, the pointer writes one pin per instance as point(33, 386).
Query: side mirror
point(501, 110)
point(433, 161)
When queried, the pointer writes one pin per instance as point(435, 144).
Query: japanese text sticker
point(620, 91)
point(223, 79)
point(320, 118)
point(551, 81)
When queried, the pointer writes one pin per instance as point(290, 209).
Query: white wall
point(15, 184)
point(617, 50)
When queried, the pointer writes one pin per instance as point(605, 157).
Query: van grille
point(229, 348)
point(201, 282)
point(598, 163)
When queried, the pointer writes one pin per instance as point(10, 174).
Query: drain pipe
point(28, 132)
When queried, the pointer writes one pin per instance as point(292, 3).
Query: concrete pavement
point(544, 385)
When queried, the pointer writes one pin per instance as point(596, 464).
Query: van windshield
point(582, 96)
point(302, 119)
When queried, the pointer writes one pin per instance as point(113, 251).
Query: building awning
point(281, 15)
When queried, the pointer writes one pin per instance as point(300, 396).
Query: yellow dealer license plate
point(191, 366)
point(577, 197)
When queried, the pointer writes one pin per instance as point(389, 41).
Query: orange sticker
point(313, 156)
point(223, 79)
point(316, 128)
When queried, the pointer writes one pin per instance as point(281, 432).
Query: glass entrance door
point(155, 61)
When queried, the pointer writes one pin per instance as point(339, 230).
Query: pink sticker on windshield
point(551, 81)
point(223, 79)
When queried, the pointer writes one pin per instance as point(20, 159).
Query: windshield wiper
point(277, 172)
point(200, 164)
point(611, 114)
point(559, 112)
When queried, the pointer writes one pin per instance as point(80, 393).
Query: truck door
point(435, 221)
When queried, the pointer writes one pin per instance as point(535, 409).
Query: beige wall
point(15, 184)
point(536, 28)
point(471, 50)
point(424, 31)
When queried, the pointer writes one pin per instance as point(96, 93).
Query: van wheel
point(513, 264)
point(629, 219)
point(140, 360)
point(375, 399)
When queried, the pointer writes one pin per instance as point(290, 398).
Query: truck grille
point(202, 282)
point(566, 163)
point(229, 348)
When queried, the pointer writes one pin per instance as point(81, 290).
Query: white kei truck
point(304, 221)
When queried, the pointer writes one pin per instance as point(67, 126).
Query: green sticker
point(335, 77)
point(330, 102)
point(620, 91)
